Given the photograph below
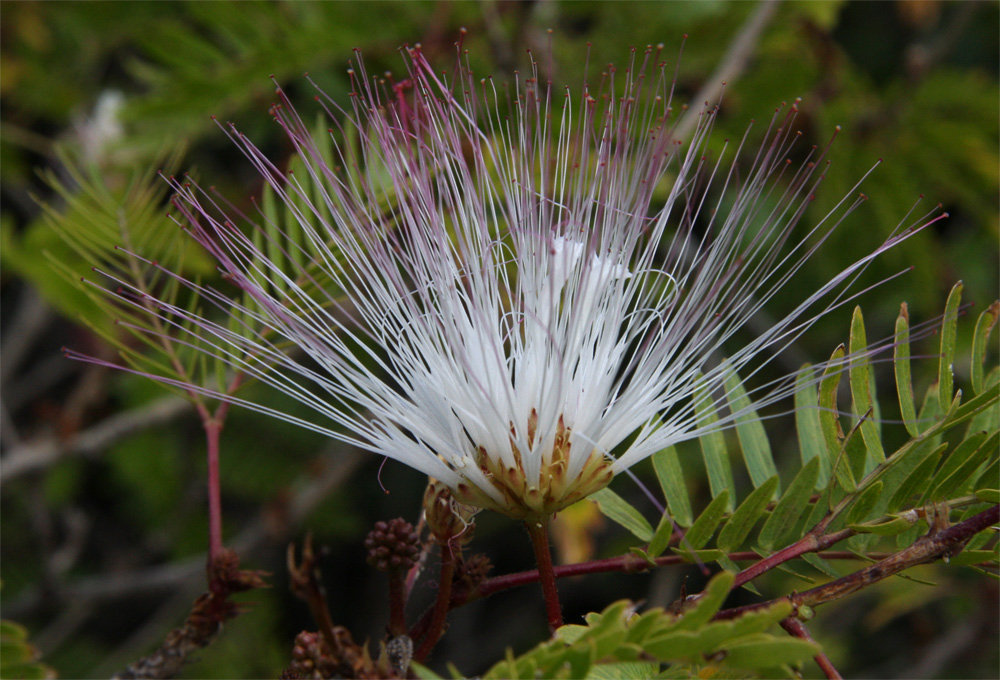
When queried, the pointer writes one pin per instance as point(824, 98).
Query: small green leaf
point(713, 445)
point(855, 451)
point(746, 515)
point(618, 510)
point(901, 364)
point(861, 382)
point(930, 410)
point(893, 527)
point(828, 418)
point(793, 504)
point(962, 463)
point(624, 670)
point(667, 466)
point(753, 440)
point(973, 557)
point(948, 331)
point(698, 556)
point(701, 531)
point(980, 341)
point(808, 427)
point(917, 480)
point(662, 535)
point(863, 505)
point(770, 652)
point(988, 495)
point(708, 604)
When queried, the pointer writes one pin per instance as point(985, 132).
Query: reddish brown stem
point(546, 574)
point(397, 602)
point(807, 544)
point(629, 564)
point(441, 605)
point(797, 629)
point(937, 544)
point(213, 428)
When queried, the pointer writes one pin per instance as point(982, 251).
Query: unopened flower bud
point(392, 545)
point(447, 519)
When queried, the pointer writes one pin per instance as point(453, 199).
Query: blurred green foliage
point(912, 83)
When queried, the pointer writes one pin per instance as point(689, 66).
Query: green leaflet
point(948, 332)
point(861, 381)
point(919, 477)
point(962, 463)
point(865, 502)
point(770, 651)
point(615, 508)
point(750, 430)
point(808, 427)
point(793, 503)
point(735, 531)
point(703, 528)
point(713, 445)
point(661, 537)
point(668, 470)
point(980, 342)
point(901, 367)
point(832, 432)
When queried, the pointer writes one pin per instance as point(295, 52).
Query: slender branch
point(441, 605)
point(213, 428)
point(797, 629)
point(741, 49)
point(40, 454)
point(807, 544)
point(305, 583)
point(937, 544)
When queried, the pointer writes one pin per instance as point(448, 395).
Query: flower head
point(517, 292)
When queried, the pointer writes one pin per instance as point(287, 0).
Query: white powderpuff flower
point(518, 292)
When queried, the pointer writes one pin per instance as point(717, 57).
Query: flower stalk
point(442, 604)
point(538, 530)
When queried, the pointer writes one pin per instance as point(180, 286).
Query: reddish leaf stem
point(807, 544)
point(797, 629)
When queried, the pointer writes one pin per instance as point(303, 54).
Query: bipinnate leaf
point(615, 508)
point(735, 530)
point(792, 505)
point(980, 342)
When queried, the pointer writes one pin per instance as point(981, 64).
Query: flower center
point(551, 492)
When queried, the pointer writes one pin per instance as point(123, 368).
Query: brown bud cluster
point(311, 658)
point(392, 545)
